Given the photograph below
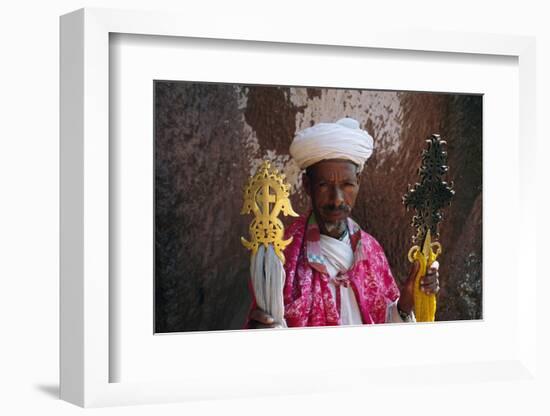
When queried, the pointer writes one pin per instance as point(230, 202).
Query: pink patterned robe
point(307, 297)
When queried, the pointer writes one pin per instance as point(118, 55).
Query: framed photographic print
point(162, 126)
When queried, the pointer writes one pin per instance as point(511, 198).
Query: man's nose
point(337, 196)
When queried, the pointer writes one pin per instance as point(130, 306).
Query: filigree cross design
point(432, 193)
point(266, 196)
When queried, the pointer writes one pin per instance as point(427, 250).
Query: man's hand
point(429, 284)
point(259, 319)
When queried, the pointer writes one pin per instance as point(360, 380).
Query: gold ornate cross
point(267, 228)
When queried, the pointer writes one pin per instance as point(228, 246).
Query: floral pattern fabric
point(307, 297)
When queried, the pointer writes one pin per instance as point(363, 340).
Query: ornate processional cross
point(432, 194)
point(266, 196)
point(428, 198)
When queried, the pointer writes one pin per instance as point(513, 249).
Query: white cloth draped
point(268, 279)
point(338, 257)
point(341, 140)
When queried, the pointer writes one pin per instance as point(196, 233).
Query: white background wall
point(29, 100)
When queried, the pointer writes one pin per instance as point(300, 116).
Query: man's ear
point(306, 184)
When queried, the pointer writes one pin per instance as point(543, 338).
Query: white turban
point(341, 140)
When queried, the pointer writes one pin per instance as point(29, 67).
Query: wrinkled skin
point(333, 186)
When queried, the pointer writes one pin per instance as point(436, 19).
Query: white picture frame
point(85, 354)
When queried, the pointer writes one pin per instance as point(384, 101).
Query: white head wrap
point(341, 140)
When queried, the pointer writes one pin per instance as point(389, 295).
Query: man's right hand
point(259, 319)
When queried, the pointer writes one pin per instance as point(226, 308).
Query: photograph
point(234, 208)
point(300, 206)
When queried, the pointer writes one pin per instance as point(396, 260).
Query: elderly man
point(337, 274)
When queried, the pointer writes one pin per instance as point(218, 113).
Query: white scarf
point(338, 257)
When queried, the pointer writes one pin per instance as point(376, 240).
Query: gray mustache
point(334, 208)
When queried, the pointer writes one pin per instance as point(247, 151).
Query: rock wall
point(210, 137)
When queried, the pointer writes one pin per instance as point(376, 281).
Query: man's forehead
point(331, 167)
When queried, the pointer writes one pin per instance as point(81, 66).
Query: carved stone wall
point(210, 137)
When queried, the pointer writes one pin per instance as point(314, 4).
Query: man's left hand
point(429, 284)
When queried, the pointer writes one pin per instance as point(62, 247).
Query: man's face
point(333, 186)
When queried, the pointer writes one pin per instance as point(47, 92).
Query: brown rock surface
point(210, 137)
